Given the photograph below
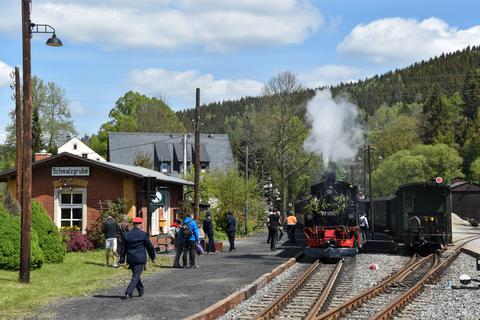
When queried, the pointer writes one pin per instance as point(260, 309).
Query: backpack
point(187, 231)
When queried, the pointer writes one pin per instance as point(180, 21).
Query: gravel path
point(178, 293)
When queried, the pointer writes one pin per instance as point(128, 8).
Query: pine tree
point(437, 124)
point(471, 95)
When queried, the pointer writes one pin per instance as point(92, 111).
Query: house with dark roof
point(73, 190)
point(171, 154)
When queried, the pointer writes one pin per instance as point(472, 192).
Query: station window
point(165, 167)
point(71, 208)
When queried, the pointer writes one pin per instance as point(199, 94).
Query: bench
point(158, 247)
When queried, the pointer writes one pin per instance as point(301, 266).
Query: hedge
point(10, 243)
point(49, 238)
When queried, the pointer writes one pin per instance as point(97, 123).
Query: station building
point(73, 189)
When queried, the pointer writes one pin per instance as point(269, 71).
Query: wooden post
point(197, 156)
point(246, 189)
point(27, 145)
point(18, 134)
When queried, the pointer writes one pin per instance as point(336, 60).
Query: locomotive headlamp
point(329, 191)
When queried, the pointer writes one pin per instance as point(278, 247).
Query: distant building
point(77, 147)
point(465, 198)
point(168, 151)
point(73, 190)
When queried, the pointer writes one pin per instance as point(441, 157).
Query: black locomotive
point(418, 217)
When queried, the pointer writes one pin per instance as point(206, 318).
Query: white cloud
point(5, 71)
point(77, 108)
point(406, 40)
point(329, 75)
point(215, 25)
point(180, 86)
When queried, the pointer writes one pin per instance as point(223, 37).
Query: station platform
point(462, 229)
point(179, 293)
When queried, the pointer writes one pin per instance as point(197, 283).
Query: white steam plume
point(336, 132)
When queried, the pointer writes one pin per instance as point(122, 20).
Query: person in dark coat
point(274, 226)
point(231, 228)
point(178, 242)
point(134, 244)
point(208, 229)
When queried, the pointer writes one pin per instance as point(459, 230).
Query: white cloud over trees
point(406, 40)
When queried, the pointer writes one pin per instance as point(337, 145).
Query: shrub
point(49, 238)
point(76, 241)
point(117, 209)
point(10, 243)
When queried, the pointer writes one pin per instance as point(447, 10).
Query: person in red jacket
point(134, 245)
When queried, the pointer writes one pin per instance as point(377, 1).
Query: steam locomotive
point(330, 219)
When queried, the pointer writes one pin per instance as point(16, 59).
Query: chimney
point(43, 154)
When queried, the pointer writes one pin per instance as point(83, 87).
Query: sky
point(228, 49)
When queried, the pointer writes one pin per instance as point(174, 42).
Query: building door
point(154, 229)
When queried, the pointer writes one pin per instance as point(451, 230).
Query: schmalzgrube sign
point(70, 171)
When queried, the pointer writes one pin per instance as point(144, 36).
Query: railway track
point(308, 292)
point(395, 292)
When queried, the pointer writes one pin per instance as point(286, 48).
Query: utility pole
point(18, 134)
point(372, 217)
point(197, 156)
point(184, 155)
point(27, 145)
point(246, 189)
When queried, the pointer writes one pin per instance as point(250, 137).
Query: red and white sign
point(438, 179)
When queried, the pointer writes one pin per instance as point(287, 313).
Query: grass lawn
point(80, 274)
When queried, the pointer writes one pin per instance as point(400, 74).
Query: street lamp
point(28, 28)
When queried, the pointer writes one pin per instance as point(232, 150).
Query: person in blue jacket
point(134, 244)
point(190, 234)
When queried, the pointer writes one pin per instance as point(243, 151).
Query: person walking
point(123, 228)
point(231, 228)
point(363, 224)
point(280, 227)
point(274, 227)
point(134, 245)
point(178, 241)
point(191, 239)
point(269, 237)
point(208, 229)
point(110, 228)
point(291, 223)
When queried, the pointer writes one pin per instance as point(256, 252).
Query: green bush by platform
point(10, 243)
point(49, 238)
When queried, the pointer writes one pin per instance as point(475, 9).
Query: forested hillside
point(409, 85)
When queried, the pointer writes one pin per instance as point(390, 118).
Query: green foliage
point(49, 238)
point(437, 124)
point(475, 170)
point(328, 205)
point(116, 209)
point(422, 163)
point(226, 191)
point(135, 112)
point(10, 243)
point(144, 160)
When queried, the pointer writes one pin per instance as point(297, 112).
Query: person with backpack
point(191, 239)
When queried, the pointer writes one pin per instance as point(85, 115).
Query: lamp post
point(28, 28)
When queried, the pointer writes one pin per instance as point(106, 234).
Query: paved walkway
point(463, 229)
point(177, 293)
